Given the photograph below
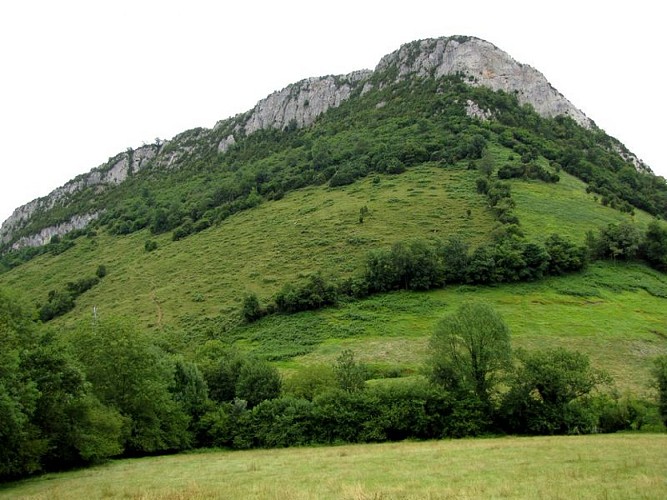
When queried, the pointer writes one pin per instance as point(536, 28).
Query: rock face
point(299, 104)
point(45, 235)
point(115, 171)
point(486, 65)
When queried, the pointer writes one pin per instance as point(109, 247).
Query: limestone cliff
point(115, 171)
point(484, 64)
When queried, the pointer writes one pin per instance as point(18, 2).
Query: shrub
point(550, 393)
point(314, 294)
point(101, 271)
point(660, 375)
point(251, 310)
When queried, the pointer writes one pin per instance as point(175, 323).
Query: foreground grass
point(602, 466)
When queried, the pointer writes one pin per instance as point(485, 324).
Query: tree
point(654, 246)
point(71, 422)
point(129, 373)
point(20, 446)
point(350, 374)
point(455, 259)
point(251, 310)
point(660, 374)
point(49, 419)
point(616, 241)
point(563, 256)
point(221, 367)
point(549, 393)
point(257, 382)
point(470, 348)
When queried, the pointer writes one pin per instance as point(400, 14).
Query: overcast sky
point(81, 81)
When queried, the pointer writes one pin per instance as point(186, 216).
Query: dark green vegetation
point(283, 292)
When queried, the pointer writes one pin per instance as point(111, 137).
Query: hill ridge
point(298, 105)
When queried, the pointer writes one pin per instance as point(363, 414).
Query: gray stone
point(484, 64)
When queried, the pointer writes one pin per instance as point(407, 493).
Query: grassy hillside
point(565, 208)
point(613, 313)
point(309, 230)
point(186, 291)
point(603, 466)
point(259, 250)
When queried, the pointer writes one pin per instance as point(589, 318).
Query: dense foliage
point(106, 389)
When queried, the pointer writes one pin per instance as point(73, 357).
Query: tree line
point(106, 389)
point(424, 265)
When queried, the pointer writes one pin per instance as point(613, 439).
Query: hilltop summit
point(298, 105)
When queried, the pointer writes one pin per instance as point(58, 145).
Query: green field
point(617, 466)
point(565, 208)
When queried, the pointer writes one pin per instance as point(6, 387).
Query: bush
point(257, 381)
point(316, 293)
point(660, 375)
point(101, 271)
point(251, 310)
point(550, 394)
point(58, 304)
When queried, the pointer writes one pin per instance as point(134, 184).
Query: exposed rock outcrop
point(302, 102)
point(44, 236)
point(115, 171)
point(474, 111)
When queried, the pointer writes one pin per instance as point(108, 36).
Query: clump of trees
point(425, 265)
point(60, 302)
point(527, 171)
point(51, 418)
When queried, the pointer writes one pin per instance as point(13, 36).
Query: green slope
point(616, 313)
point(259, 250)
point(274, 219)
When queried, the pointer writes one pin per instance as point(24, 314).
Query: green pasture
point(613, 466)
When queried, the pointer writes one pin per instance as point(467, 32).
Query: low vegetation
point(613, 466)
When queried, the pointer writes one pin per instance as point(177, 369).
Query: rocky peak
point(298, 104)
point(484, 64)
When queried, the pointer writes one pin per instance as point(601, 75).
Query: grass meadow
point(615, 313)
point(613, 466)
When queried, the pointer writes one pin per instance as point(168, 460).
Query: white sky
point(81, 81)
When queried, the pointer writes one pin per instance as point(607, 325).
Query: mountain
point(83, 199)
point(445, 138)
point(300, 274)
